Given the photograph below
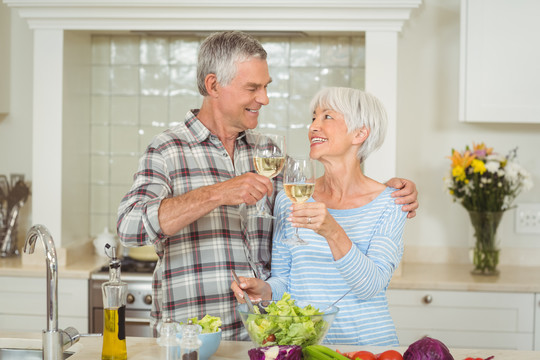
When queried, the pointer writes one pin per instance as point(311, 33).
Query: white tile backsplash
point(124, 80)
point(124, 110)
point(141, 85)
point(125, 50)
point(154, 80)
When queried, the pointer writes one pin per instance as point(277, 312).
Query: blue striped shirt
point(310, 273)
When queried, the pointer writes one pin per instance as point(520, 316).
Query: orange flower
point(481, 149)
point(464, 160)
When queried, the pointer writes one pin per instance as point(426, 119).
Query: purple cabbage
point(277, 352)
point(427, 349)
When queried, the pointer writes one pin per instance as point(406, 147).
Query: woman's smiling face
point(329, 135)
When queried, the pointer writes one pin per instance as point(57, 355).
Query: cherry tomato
point(270, 338)
point(390, 355)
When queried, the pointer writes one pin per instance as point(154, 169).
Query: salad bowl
point(287, 322)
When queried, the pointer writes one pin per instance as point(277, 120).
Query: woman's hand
point(315, 216)
point(406, 194)
point(257, 289)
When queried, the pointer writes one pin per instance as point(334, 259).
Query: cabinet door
point(499, 74)
point(464, 319)
point(23, 304)
point(537, 323)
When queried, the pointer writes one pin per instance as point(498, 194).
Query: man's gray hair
point(220, 52)
point(360, 109)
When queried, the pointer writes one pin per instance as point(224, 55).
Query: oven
point(138, 277)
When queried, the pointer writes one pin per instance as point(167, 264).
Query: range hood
point(61, 36)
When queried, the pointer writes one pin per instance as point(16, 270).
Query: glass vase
point(487, 245)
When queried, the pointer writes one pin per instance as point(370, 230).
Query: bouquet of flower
point(482, 180)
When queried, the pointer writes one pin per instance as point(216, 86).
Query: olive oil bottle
point(114, 312)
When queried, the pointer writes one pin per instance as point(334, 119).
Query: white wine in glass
point(269, 158)
point(299, 185)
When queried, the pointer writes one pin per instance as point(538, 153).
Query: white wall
point(428, 127)
point(16, 126)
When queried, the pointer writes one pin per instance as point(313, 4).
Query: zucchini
point(321, 352)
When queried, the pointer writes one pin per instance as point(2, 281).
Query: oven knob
point(130, 298)
point(148, 299)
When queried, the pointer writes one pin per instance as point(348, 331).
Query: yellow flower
point(478, 166)
point(464, 161)
point(458, 172)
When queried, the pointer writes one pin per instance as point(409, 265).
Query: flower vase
point(487, 245)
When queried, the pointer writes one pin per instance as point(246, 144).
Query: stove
point(138, 276)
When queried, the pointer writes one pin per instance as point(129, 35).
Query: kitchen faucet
point(54, 340)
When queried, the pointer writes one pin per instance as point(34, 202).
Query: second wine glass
point(299, 185)
point(269, 158)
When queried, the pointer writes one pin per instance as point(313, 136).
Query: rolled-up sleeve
point(138, 222)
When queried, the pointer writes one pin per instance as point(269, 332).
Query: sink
point(25, 354)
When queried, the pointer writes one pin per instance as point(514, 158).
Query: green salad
point(209, 324)
point(287, 324)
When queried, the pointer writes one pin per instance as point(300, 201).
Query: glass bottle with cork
point(114, 311)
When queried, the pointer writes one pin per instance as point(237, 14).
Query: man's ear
point(360, 135)
point(211, 84)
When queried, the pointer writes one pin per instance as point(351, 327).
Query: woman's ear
point(211, 84)
point(360, 135)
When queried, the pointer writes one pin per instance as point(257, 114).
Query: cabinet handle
point(427, 299)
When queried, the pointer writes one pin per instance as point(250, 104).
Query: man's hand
point(406, 194)
point(247, 188)
point(180, 211)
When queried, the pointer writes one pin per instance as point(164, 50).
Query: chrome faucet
point(54, 340)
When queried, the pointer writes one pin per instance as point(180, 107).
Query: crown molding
point(248, 15)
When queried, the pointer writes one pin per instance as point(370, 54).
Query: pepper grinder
point(189, 347)
point(168, 342)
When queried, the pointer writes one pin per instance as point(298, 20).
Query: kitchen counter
point(80, 269)
point(89, 348)
point(525, 279)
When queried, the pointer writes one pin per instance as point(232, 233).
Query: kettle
point(103, 239)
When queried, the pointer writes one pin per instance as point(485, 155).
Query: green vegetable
point(321, 352)
point(293, 325)
point(209, 324)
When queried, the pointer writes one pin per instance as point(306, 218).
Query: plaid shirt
point(193, 273)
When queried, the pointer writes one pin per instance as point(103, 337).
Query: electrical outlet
point(528, 218)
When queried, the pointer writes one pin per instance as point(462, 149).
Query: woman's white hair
point(360, 109)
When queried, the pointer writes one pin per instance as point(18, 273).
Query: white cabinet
point(499, 73)
point(465, 319)
point(537, 323)
point(23, 304)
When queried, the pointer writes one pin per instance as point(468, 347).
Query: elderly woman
point(353, 226)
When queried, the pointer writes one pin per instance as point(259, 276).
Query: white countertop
point(89, 348)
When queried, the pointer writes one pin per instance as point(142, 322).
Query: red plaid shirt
point(192, 276)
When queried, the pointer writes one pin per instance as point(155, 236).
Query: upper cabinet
point(4, 58)
point(500, 61)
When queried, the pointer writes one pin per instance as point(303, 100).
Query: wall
point(428, 127)
point(16, 126)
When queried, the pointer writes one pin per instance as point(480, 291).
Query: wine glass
point(299, 184)
point(269, 158)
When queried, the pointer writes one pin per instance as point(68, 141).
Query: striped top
point(193, 273)
point(310, 274)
